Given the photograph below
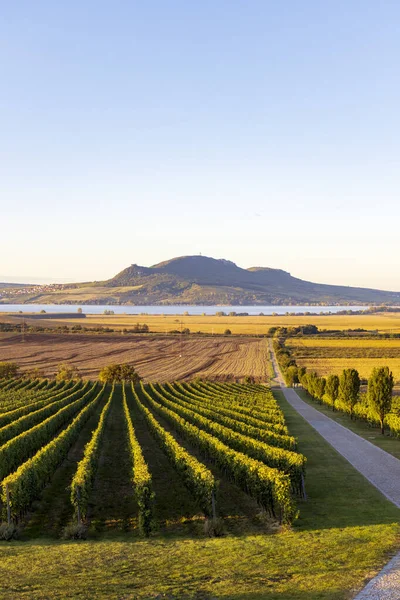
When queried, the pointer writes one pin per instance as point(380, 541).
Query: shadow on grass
point(265, 594)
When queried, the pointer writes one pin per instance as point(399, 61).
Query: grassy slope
point(345, 533)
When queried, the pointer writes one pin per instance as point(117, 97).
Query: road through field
point(380, 468)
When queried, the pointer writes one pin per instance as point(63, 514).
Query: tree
point(332, 389)
point(380, 387)
point(349, 388)
point(8, 370)
point(119, 372)
point(34, 373)
point(301, 372)
point(291, 376)
point(79, 311)
point(309, 382)
point(227, 332)
point(309, 329)
point(319, 388)
point(67, 372)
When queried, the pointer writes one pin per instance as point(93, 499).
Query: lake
point(172, 310)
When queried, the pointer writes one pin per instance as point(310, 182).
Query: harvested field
point(326, 356)
point(156, 358)
point(251, 325)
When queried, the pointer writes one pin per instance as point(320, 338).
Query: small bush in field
point(214, 527)
point(75, 531)
point(8, 532)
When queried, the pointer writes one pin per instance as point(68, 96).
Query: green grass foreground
point(346, 532)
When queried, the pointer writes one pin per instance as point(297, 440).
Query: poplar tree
point(332, 389)
point(349, 388)
point(319, 388)
point(380, 387)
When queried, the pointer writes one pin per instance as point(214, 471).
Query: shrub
point(75, 531)
point(214, 527)
point(8, 532)
point(8, 370)
point(66, 372)
point(119, 372)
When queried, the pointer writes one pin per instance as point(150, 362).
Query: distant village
point(13, 291)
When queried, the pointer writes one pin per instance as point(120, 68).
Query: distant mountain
point(197, 280)
point(203, 280)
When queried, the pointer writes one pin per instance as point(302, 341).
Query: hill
point(201, 280)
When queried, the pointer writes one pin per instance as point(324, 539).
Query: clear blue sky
point(263, 132)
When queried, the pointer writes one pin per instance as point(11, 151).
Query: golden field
point(364, 366)
point(252, 325)
point(326, 356)
point(344, 343)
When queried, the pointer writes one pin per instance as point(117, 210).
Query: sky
point(263, 132)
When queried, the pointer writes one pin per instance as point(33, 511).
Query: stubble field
point(156, 358)
point(326, 356)
point(251, 325)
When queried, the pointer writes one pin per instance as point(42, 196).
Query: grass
point(346, 532)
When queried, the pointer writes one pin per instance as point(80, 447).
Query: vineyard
point(79, 458)
point(183, 490)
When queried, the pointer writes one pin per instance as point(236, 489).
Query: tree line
point(342, 391)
